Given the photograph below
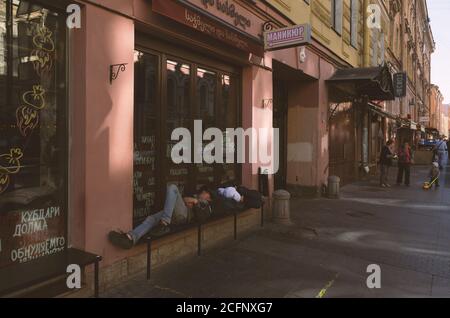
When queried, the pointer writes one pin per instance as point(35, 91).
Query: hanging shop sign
point(292, 36)
point(424, 119)
point(222, 20)
point(400, 84)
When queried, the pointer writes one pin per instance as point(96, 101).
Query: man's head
point(205, 194)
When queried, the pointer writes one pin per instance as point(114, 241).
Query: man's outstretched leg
point(174, 208)
point(128, 240)
point(175, 211)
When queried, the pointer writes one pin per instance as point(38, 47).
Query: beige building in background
point(445, 120)
point(435, 118)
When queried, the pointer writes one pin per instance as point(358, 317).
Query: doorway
point(280, 113)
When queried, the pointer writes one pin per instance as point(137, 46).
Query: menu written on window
point(178, 173)
point(27, 235)
point(144, 177)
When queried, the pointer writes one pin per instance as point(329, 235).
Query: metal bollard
point(334, 186)
point(281, 207)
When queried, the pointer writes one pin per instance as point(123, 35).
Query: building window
point(375, 51)
point(354, 19)
point(191, 92)
point(336, 15)
point(33, 132)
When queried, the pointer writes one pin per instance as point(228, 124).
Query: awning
point(378, 110)
point(374, 83)
point(408, 124)
point(421, 128)
point(432, 131)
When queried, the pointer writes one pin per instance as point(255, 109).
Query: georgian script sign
point(292, 36)
point(229, 12)
point(400, 84)
point(226, 23)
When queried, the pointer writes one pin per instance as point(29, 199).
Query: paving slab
point(326, 250)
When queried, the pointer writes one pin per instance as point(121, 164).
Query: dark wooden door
point(280, 112)
point(342, 145)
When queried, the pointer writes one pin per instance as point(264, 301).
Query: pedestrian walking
point(404, 164)
point(442, 153)
point(386, 157)
point(434, 175)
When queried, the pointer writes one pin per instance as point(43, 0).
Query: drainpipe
point(416, 108)
point(366, 48)
point(362, 110)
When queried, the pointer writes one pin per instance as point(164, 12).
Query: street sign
point(292, 36)
point(400, 84)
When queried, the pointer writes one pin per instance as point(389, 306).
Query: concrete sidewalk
point(326, 251)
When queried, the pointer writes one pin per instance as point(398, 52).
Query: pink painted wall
point(326, 71)
point(302, 133)
point(308, 155)
point(307, 117)
point(77, 107)
point(291, 57)
point(257, 87)
point(123, 6)
point(104, 201)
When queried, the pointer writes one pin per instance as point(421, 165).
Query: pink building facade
point(137, 69)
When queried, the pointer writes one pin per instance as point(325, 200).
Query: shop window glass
point(33, 132)
point(170, 94)
point(178, 116)
point(229, 112)
point(206, 93)
point(145, 134)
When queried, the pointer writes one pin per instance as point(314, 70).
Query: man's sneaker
point(120, 240)
point(160, 230)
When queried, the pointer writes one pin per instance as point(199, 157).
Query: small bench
point(18, 277)
point(199, 226)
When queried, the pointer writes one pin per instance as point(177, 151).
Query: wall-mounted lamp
point(114, 71)
point(302, 54)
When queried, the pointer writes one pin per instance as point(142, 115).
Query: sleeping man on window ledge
point(177, 210)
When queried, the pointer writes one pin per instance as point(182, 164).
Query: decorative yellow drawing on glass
point(28, 116)
point(35, 98)
point(44, 49)
point(9, 164)
point(4, 182)
point(27, 120)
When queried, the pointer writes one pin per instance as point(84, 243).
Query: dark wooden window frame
point(164, 52)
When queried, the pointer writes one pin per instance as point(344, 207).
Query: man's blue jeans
point(175, 212)
point(443, 156)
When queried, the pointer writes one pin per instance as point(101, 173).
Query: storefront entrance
point(171, 91)
point(280, 113)
point(342, 142)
